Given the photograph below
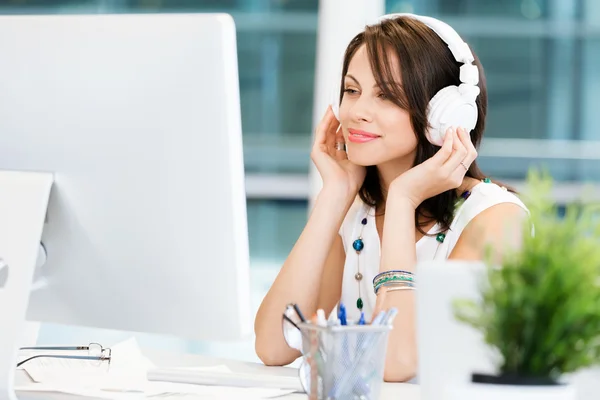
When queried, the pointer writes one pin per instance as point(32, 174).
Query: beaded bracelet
point(389, 277)
point(392, 273)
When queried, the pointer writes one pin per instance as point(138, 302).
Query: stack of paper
point(165, 391)
point(126, 379)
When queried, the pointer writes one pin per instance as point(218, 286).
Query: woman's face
point(376, 130)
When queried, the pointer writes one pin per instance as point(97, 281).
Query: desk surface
point(163, 359)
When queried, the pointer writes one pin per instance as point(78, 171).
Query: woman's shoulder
point(483, 196)
point(492, 193)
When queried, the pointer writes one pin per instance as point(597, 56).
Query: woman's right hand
point(333, 164)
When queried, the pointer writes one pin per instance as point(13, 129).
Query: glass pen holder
point(343, 362)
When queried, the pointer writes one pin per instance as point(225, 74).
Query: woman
point(394, 197)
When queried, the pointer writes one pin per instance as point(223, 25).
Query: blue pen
point(361, 321)
point(349, 373)
point(342, 315)
point(344, 344)
point(361, 388)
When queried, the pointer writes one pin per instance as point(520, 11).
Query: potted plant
point(540, 308)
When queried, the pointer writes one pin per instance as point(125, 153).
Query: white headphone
point(452, 105)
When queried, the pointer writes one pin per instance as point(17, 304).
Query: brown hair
point(426, 65)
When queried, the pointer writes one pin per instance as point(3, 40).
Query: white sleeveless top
point(482, 197)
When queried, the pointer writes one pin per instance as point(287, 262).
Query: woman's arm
point(499, 226)
point(398, 251)
point(444, 171)
point(311, 277)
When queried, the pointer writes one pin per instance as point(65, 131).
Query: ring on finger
point(464, 166)
point(341, 146)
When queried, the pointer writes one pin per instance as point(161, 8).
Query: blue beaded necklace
point(358, 245)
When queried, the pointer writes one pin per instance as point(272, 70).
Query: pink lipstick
point(358, 136)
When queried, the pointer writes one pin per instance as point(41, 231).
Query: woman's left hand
point(444, 171)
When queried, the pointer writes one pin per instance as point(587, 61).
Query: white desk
point(390, 391)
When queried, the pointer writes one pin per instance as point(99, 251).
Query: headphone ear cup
point(437, 105)
point(451, 106)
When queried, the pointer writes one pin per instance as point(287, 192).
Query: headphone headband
point(459, 48)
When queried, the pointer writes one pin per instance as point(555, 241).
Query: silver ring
point(341, 146)
point(463, 164)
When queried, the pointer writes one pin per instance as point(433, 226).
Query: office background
point(541, 60)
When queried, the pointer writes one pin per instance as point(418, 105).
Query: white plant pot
point(486, 391)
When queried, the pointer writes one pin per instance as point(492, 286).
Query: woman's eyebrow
point(349, 76)
point(353, 78)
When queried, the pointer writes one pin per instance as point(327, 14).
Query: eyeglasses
point(96, 354)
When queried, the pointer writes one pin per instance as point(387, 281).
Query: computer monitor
point(135, 121)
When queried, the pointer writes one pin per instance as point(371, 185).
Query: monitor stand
point(23, 205)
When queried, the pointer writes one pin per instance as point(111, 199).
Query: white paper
point(160, 390)
point(165, 389)
point(126, 379)
point(215, 368)
point(79, 391)
point(127, 371)
point(222, 376)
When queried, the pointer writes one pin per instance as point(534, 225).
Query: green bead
point(487, 180)
point(440, 237)
point(359, 303)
